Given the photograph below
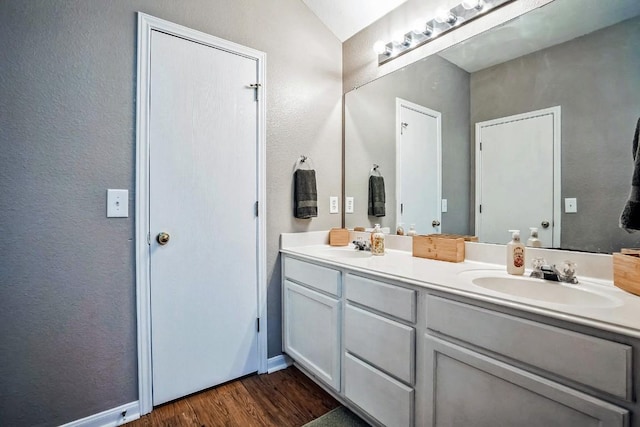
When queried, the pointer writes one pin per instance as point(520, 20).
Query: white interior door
point(418, 167)
point(518, 177)
point(203, 186)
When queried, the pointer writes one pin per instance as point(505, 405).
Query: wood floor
point(285, 398)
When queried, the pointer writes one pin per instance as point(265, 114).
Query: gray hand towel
point(376, 196)
point(630, 218)
point(305, 195)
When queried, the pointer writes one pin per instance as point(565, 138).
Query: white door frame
point(438, 115)
point(555, 113)
point(147, 24)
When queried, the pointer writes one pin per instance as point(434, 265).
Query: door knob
point(545, 224)
point(435, 223)
point(163, 238)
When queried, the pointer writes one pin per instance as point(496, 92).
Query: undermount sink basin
point(541, 290)
point(345, 252)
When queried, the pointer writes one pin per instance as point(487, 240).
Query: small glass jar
point(377, 241)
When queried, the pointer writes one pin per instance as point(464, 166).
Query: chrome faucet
point(362, 245)
point(566, 274)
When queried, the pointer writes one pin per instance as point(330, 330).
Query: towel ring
point(303, 160)
point(374, 170)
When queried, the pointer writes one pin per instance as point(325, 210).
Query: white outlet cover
point(348, 208)
point(117, 203)
point(333, 205)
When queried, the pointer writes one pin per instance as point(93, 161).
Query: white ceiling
point(346, 17)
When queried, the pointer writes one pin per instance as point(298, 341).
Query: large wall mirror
point(554, 98)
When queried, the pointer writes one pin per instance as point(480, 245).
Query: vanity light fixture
point(425, 31)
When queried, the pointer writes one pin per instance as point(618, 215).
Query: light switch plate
point(444, 205)
point(333, 205)
point(117, 203)
point(349, 205)
point(570, 205)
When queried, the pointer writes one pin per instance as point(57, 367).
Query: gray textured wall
point(595, 78)
point(67, 116)
point(370, 137)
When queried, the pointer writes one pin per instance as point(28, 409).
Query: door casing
point(402, 103)
point(147, 24)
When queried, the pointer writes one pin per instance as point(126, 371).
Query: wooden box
point(442, 247)
point(338, 237)
point(626, 270)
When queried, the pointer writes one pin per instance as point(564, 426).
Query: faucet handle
point(568, 272)
point(536, 265)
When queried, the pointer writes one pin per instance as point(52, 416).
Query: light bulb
point(379, 47)
point(473, 4)
point(398, 37)
point(446, 16)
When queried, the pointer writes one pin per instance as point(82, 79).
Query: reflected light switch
point(570, 205)
point(444, 205)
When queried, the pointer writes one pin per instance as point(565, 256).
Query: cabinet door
point(312, 332)
point(467, 388)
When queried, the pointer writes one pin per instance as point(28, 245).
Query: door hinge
point(256, 87)
point(256, 209)
point(480, 208)
point(401, 208)
point(481, 146)
point(258, 324)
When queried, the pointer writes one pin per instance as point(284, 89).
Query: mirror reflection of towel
point(630, 218)
point(376, 196)
point(305, 195)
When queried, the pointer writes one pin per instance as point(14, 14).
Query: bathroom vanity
point(407, 341)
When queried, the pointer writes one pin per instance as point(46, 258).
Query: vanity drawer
point(322, 278)
point(384, 398)
point(382, 342)
point(598, 363)
point(393, 300)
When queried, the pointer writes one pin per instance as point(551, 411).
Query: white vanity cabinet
point(379, 349)
point(490, 368)
point(402, 354)
point(311, 318)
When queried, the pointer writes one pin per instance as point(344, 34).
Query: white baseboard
point(110, 417)
point(277, 363)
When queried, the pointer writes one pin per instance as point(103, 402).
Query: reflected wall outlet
point(570, 205)
point(117, 203)
point(349, 205)
point(333, 205)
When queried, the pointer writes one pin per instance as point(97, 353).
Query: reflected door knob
point(545, 224)
point(435, 223)
point(163, 238)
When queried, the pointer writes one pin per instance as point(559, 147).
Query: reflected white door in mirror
point(518, 176)
point(418, 148)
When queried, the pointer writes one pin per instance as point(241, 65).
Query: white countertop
point(621, 315)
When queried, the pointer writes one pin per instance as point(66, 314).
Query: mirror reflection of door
point(418, 167)
point(518, 177)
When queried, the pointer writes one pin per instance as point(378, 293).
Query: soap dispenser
point(515, 254)
point(377, 241)
point(533, 240)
